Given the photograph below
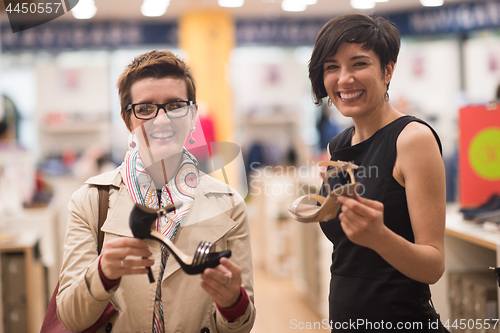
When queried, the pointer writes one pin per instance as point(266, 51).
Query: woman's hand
point(362, 220)
point(114, 261)
point(223, 283)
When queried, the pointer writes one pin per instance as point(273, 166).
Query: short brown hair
point(153, 64)
point(379, 35)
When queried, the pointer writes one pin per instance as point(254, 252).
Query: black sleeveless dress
point(367, 294)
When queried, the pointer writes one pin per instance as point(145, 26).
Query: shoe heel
point(141, 220)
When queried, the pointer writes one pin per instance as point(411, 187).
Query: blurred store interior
point(58, 82)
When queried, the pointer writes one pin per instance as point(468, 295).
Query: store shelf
point(74, 128)
point(470, 232)
point(285, 248)
point(23, 285)
point(77, 136)
point(270, 120)
point(469, 248)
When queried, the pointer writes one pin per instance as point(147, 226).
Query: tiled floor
point(280, 308)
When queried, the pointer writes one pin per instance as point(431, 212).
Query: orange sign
point(479, 154)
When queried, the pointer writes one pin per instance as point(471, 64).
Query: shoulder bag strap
point(103, 212)
point(51, 322)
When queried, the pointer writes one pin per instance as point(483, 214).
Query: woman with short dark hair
point(389, 239)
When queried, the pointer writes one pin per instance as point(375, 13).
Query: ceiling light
point(293, 5)
point(84, 10)
point(432, 3)
point(154, 8)
point(231, 3)
point(362, 4)
point(309, 2)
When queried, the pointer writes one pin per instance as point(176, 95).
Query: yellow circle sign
point(484, 153)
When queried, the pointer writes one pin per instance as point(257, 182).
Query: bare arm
point(419, 168)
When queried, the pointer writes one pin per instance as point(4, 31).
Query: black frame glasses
point(174, 109)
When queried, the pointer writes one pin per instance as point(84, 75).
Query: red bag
point(51, 323)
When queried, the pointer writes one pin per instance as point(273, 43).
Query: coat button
point(205, 330)
point(109, 326)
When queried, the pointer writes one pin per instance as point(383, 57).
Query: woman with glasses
point(158, 106)
point(388, 240)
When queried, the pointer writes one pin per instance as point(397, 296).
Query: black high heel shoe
point(141, 219)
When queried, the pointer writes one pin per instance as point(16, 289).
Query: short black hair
point(3, 127)
point(10, 117)
point(377, 34)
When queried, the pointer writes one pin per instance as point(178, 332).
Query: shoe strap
point(338, 166)
point(319, 198)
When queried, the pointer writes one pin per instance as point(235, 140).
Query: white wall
point(482, 54)
point(19, 83)
point(427, 76)
point(272, 82)
point(75, 82)
point(266, 78)
point(73, 102)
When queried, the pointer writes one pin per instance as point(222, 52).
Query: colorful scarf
point(181, 188)
point(142, 190)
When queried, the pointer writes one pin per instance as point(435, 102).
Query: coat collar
point(207, 220)
point(207, 183)
point(112, 177)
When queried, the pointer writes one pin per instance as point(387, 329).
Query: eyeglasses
point(146, 111)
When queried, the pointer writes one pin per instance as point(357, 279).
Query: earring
point(386, 96)
point(329, 102)
point(132, 141)
point(191, 139)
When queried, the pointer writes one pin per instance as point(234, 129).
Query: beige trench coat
point(218, 215)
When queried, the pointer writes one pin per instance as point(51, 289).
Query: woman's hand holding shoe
point(362, 220)
point(223, 283)
point(115, 262)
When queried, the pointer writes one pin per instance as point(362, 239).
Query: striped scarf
point(181, 188)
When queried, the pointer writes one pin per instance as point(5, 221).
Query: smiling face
point(354, 80)
point(160, 137)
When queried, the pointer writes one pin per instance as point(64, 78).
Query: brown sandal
point(329, 205)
